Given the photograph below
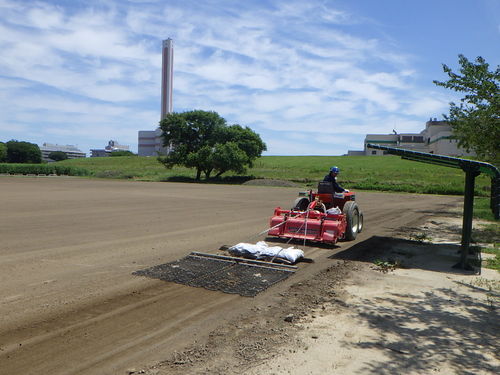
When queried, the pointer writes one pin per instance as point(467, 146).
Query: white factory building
point(111, 147)
point(71, 151)
point(150, 141)
point(436, 138)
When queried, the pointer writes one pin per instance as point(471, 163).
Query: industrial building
point(436, 138)
point(71, 151)
point(150, 141)
point(112, 146)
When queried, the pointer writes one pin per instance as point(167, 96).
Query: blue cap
point(335, 170)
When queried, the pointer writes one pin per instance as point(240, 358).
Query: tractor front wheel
point(351, 211)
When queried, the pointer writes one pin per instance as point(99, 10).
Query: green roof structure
point(472, 169)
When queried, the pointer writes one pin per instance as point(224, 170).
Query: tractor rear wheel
point(361, 223)
point(300, 204)
point(351, 211)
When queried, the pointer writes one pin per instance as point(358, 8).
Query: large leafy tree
point(3, 152)
point(23, 152)
point(476, 119)
point(203, 140)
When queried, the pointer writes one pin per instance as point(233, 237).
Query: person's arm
point(337, 188)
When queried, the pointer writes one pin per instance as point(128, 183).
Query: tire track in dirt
point(94, 317)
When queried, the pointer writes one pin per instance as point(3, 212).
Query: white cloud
point(387, 80)
point(44, 17)
point(92, 71)
point(426, 106)
point(286, 147)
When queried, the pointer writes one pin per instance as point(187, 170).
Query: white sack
point(262, 250)
point(334, 211)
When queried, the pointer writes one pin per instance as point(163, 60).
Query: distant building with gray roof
point(436, 138)
point(71, 151)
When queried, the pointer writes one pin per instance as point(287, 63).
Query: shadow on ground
point(287, 242)
point(227, 180)
point(420, 332)
point(410, 254)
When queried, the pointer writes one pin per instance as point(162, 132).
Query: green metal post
point(495, 197)
point(472, 169)
point(470, 177)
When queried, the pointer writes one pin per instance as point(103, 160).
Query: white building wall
point(71, 151)
point(436, 138)
point(147, 143)
point(151, 143)
point(433, 127)
point(115, 146)
point(442, 143)
point(389, 140)
point(412, 141)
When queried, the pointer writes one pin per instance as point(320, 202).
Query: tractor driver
point(332, 177)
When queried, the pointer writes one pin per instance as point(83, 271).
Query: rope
point(268, 229)
point(293, 237)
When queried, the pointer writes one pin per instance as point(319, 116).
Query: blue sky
point(311, 77)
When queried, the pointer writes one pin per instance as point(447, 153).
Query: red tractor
point(323, 216)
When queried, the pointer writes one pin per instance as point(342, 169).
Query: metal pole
point(495, 197)
point(470, 177)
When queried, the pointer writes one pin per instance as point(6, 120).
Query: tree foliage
point(476, 120)
point(58, 155)
point(3, 152)
point(23, 152)
point(203, 140)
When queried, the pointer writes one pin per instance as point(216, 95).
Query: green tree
point(203, 140)
point(58, 155)
point(3, 152)
point(476, 120)
point(238, 148)
point(23, 152)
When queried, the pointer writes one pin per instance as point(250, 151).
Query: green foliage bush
point(23, 152)
point(42, 169)
point(58, 155)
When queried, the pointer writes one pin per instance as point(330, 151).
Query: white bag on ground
point(261, 250)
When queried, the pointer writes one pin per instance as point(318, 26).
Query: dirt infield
point(69, 303)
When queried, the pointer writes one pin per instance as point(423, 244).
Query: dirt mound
point(271, 182)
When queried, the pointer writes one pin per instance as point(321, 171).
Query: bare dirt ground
point(69, 304)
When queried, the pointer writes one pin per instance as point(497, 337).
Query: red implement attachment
point(311, 224)
point(323, 216)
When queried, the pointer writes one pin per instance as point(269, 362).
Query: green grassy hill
point(388, 173)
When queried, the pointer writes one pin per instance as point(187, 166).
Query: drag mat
point(225, 274)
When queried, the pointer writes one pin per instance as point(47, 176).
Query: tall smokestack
point(167, 76)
